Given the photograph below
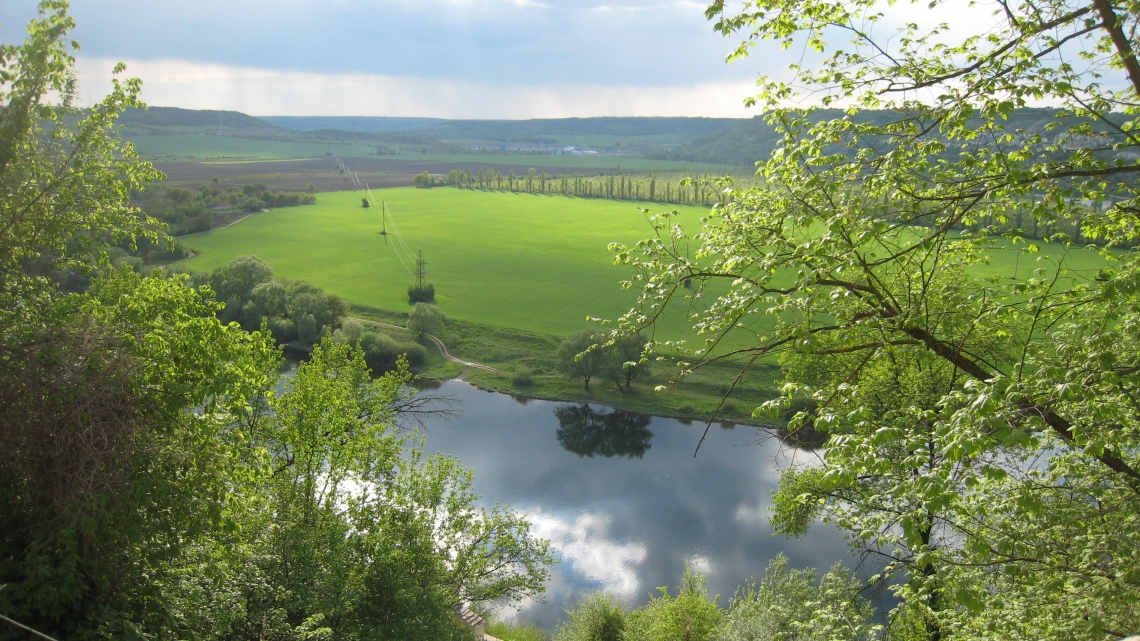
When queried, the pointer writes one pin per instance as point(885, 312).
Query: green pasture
point(536, 263)
point(528, 262)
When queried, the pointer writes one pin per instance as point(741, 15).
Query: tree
point(364, 202)
point(425, 318)
point(628, 358)
point(55, 156)
point(425, 179)
point(580, 357)
point(983, 430)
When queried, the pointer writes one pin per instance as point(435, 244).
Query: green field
point(537, 263)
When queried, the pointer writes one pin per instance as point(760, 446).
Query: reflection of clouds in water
point(754, 516)
point(701, 563)
point(583, 544)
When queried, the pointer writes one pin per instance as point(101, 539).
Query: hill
point(176, 117)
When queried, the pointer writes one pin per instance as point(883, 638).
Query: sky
point(430, 58)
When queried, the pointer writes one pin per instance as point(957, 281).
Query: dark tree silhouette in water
point(589, 433)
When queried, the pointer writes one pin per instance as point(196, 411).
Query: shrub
point(350, 331)
point(598, 617)
point(425, 294)
point(691, 615)
point(523, 378)
point(381, 352)
point(283, 329)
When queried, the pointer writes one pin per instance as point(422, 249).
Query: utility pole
point(384, 220)
point(421, 271)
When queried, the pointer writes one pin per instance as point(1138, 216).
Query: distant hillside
point(681, 129)
point(748, 141)
point(175, 117)
point(551, 130)
point(351, 123)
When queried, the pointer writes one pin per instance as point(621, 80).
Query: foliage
point(293, 309)
point(523, 377)
point(798, 605)
point(425, 318)
point(668, 188)
point(382, 352)
point(352, 529)
point(983, 431)
point(599, 616)
point(62, 169)
point(586, 354)
point(154, 484)
point(425, 179)
point(127, 402)
point(417, 294)
point(576, 359)
point(189, 211)
point(689, 616)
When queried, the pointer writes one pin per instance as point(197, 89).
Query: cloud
point(603, 42)
point(266, 92)
point(584, 543)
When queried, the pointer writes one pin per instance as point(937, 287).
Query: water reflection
point(588, 432)
point(628, 517)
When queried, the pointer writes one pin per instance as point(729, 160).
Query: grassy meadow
point(535, 263)
point(527, 262)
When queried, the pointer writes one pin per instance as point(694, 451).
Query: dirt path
point(443, 350)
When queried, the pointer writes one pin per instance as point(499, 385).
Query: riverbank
point(510, 352)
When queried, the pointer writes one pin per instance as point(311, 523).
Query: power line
point(26, 628)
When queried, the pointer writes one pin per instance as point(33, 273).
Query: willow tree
point(984, 430)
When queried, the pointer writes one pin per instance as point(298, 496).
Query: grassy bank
point(512, 350)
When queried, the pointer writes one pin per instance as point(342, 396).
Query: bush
point(691, 615)
point(381, 352)
point(598, 617)
point(350, 331)
point(283, 329)
point(425, 294)
point(523, 378)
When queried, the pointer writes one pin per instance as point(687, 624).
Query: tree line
point(676, 189)
point(190, 211)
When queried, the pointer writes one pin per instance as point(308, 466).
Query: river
point(622, 497)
